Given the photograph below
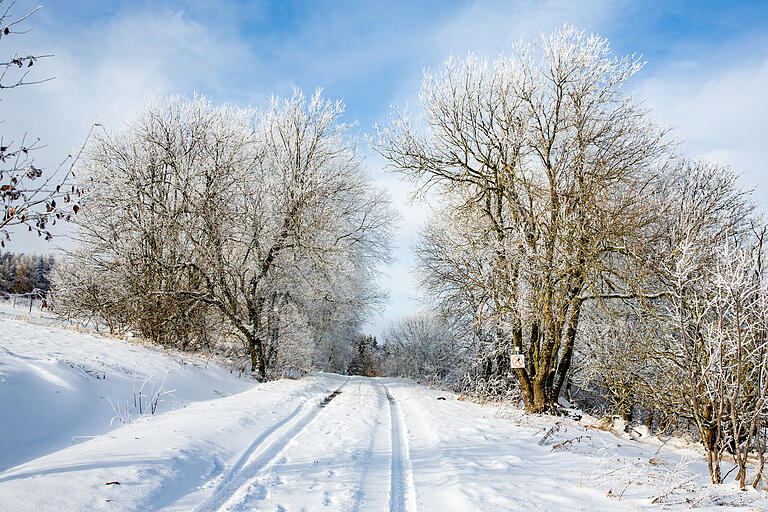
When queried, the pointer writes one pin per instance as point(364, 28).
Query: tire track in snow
point(402, 497)
point(368, 461)
point(263, 450)
point(438, 457)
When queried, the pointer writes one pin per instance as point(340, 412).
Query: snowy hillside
point(60, 387)
point(324, 442)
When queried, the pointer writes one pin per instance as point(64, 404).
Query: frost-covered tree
point(610, 361)
point(92, 290)
point(422, 347)
point(707, 210)
point(671, 345)
point(135, 260)
point(736, 350)
point(457, 273)
point(305, 225)
point(558, 159)
point(367, 357)
point(336, 329)
point(265, 220)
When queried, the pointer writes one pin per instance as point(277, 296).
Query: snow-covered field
point(72, 439)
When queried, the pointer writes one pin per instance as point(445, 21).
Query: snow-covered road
point(339, 453)
point(324, 442)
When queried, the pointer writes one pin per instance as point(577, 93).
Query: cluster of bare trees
point(203, 224)
point(367, 358)
point(571, 230)
point(420, 346)
point(552, 163)
point(695, 351)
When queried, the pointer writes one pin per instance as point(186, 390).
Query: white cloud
point(108, 72)
point(105, 75)
point(489, 27)
point(720, 109)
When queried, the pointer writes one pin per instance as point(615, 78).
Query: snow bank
point(59, 386)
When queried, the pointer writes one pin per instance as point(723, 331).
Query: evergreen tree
point(22, 273)
point(367, 359)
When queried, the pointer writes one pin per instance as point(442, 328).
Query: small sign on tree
point(517, 361)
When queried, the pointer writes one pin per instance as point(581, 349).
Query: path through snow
point(324, 442)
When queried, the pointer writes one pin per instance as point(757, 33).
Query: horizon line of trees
point(25, 273)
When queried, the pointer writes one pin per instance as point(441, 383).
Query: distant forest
point(24, 273)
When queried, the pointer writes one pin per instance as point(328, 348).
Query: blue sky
point(706, 73)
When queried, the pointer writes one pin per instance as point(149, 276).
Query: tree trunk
point(256, 353)
point(761, 456)
point(542, 401)
point(570, 340)
point(525, 388)
point(710, 438)
point(545, 372)
point(262, 361)
point(649, 420)
point(627, 413)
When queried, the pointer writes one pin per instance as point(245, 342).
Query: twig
point(569, 441)
point(549, 433)
point(670, 491)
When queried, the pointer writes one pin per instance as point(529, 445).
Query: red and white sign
point(517, 361)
